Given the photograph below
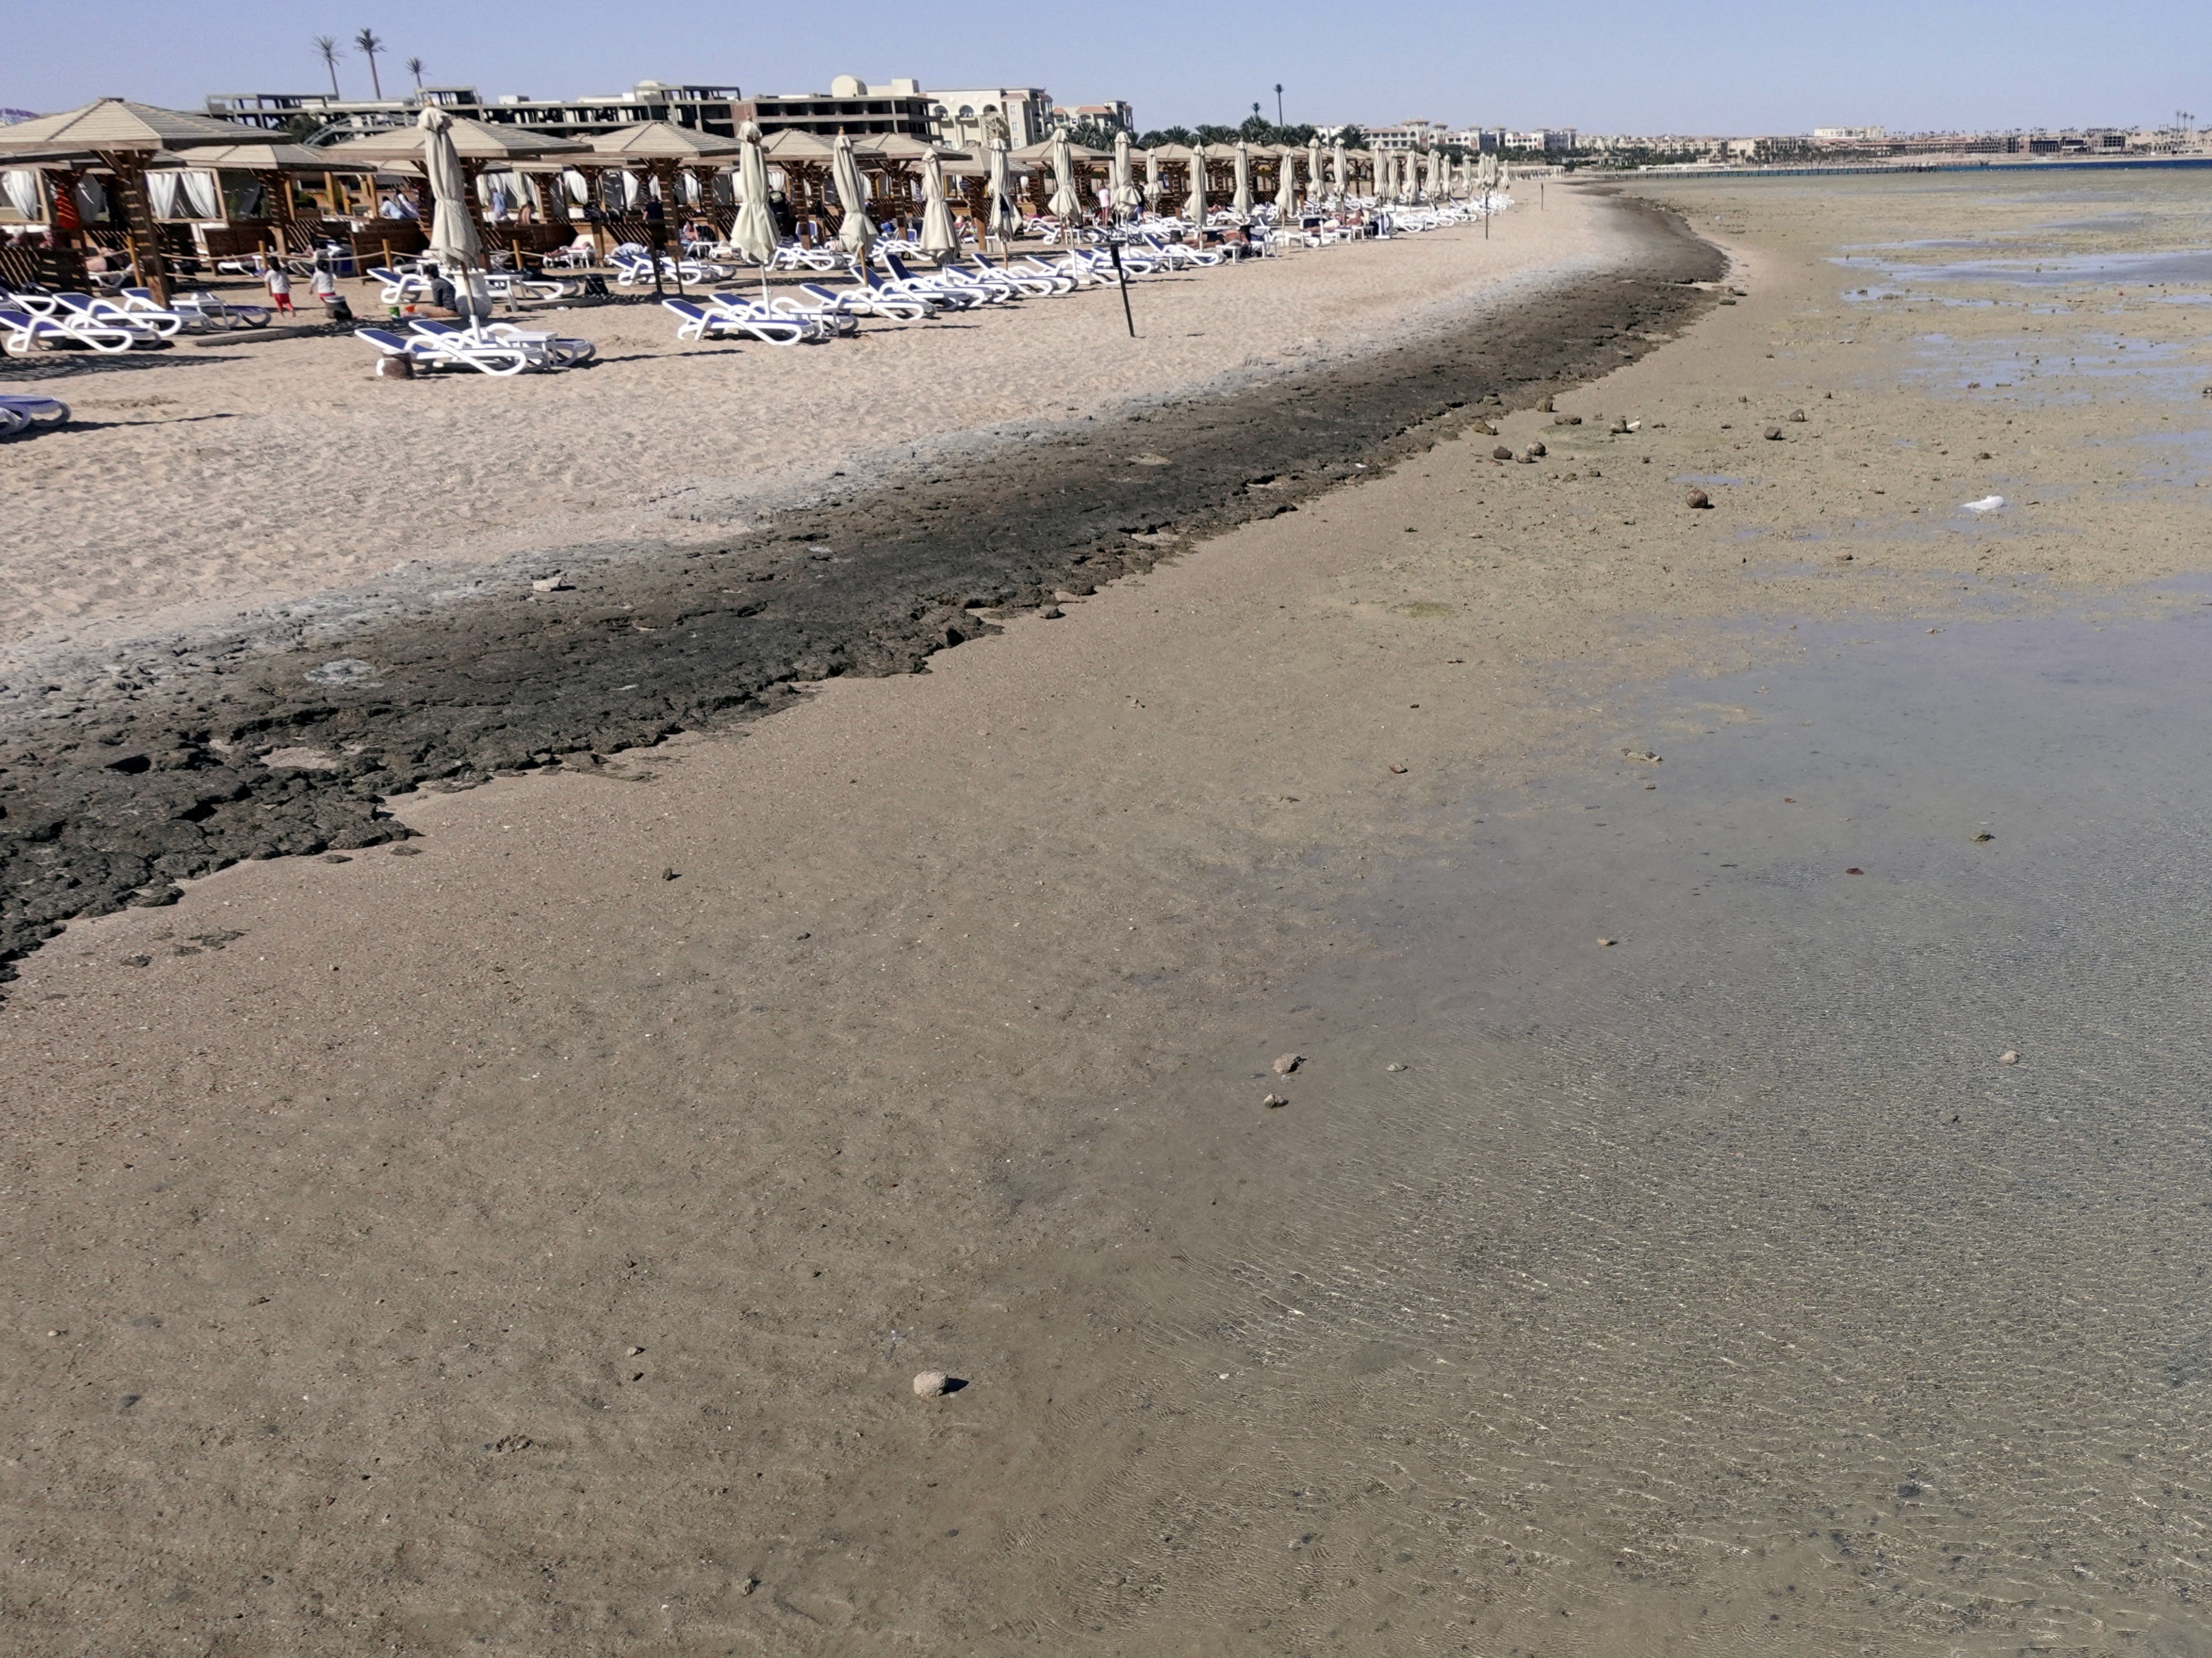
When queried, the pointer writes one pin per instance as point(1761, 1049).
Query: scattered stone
point(668, 874)
point(1275, 1101)
point(1697, 498)
point(1774, 434)
point(556, 583)
point(1644, 755)
point(137, 961)
point(160, 900)
point(1855, 871)
point(1545, 407)
point(1797, 415)
point(1052, 613)
point(346, 670)
point(402, 850)
point(1983, 455)
point(1501, 452)
point(335, 858)
point(1149, 460)
point(2007, 1058)
point(636, 1352)
point(1845, 558)
point(1538, 449)
point(1398, 768)
point(1986, 835)
point(1287, 1064)
point(1608, 943)
point(1986, 504)
point(1566, 420)
point(930, 1384)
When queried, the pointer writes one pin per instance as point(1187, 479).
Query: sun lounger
point(152, 321)
point(861, 300)
point(545, 350)
point(700, 324)
point(400, 288)
point(425, 351)
point(24, 332)
point(825, 315)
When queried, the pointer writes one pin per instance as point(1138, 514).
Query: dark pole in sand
point(1114, 251)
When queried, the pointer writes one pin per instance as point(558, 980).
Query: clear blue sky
point(1730, 66)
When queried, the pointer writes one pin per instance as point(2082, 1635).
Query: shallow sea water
point(1720, 1288)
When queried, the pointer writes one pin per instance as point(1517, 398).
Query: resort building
point(959, 114)
point(706, 108)
point(851, 105)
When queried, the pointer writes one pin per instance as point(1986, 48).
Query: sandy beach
point(212, 486)
point(527, 1241)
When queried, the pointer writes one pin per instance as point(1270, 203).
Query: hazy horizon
point(1730, 68)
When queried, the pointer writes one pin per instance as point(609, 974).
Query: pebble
point(669, 874)
point(1398, 768)
point(930, 1384)
point(1538, 449)
point(2007, 1058)
point(335, 858)
point(556, 583)
point(137, 961)
point(1287, 1064)
point(1774, 434)
point(1501, 452)
point(1986, 835)
point(1697, 498)
point(1608, 943)
point(1640, 754)
point(1798, 415)
point(402, 850)
point(1275, 1101)
point(1855, 871)
point(1052, 613)
point(1394, 1067)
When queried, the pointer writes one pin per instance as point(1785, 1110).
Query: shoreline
point(646, 643)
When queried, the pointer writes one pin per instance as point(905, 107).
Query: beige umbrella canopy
point(1194, 208)
point(453, 241)
point(1241, 203)
point(1286, 186)
point(938, 238)
point(1124, 191)
point(1065, 205)
point(754, 234)
point(1340, 169)
point(1153, 179)
point(857, 232)
point(1005, 221)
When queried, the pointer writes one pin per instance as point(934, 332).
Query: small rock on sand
point(2007, 1058)
point(1394, 1066)
point(556, 583)
point(1774, 434)
point(930, 1384)
point(1287, 1064)
point(1397, 768)
point(1608, 943)
point(1797, 415)
point(1986, 835)
point(1501, 452)
point(1697, 498)
point(402, 850)
point(1538, 451)
point(1274, 1101)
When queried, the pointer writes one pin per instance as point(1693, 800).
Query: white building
point(959, 113)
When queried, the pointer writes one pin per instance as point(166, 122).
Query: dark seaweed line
point(111, 805)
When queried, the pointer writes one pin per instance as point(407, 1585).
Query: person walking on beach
point(279, 283)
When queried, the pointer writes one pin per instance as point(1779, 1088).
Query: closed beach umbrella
point(453, 242)
point(1065, 205)
point(1313, 171)
point(1194, 208)
point(1153, 179)
point(857, 232)
point(939, 239)
point(754, 234)
point(1125, 197)
point(1430, 183)
point(1339, 173)
point(1408, 189)
point(1286, 186)
point(1005, 221)
point(1242, 204)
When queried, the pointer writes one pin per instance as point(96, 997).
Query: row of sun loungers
point(499, 348)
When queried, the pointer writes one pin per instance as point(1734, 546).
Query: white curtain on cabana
point(162, 190)
point(26, 192)
point(203, 194)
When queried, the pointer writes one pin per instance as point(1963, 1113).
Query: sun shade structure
point(651, 140)
point(1123, 192)
point(1003, 220)
point(1065, 205)
point(1153, 179)
point(1286, 186)
point(453, 241)
point(124, 136)
point(471, 141)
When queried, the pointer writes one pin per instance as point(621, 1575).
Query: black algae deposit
point(109, 805)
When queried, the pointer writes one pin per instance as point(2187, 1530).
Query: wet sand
point(529, 1241)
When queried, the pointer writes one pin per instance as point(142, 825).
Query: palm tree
point(368, 46)
point(414, 69)
point(329, 48)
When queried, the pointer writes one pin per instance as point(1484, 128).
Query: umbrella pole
point(1113, 248)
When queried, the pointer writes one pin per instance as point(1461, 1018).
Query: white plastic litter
point(1986, 504)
